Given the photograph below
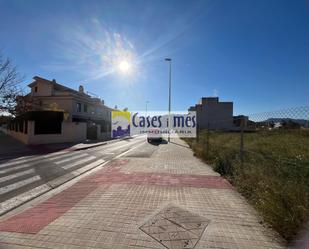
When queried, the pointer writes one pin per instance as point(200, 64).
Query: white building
point(53, 113)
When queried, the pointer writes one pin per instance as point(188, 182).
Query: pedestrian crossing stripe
point(19, 184)
point(71, 158)
point(16, 175)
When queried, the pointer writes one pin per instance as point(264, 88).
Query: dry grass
point(275, 174)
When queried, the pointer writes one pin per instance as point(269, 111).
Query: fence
point(266, 156)
point(288, 121)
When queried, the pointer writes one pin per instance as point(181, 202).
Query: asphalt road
point(26, 177)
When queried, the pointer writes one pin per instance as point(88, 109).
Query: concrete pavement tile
point(106, 209)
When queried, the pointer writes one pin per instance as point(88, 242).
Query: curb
point(48, 188)
point(101, 143)
point(88, 147)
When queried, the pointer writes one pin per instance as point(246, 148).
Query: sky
point(254, 53)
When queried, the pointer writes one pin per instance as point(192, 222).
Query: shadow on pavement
point(186, 146)
point(11, 148)
point(157, 142)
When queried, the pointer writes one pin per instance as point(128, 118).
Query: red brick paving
point(34, 219)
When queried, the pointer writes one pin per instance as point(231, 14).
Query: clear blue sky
point(254, 53)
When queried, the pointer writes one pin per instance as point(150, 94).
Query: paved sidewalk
point(152, 197)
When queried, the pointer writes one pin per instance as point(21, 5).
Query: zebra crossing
point(23, 174)
point(27, 177)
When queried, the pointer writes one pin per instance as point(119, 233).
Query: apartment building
point(213, 114)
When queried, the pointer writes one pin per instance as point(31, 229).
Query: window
point(78, 107)
point(36, 89)
point(85, 108)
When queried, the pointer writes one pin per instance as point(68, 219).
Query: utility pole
point(169, 60)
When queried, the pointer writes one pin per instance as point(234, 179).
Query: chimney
point(54, 81)
point(81, 89)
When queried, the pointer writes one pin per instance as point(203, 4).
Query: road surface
point(144, 196)
point(26, 177)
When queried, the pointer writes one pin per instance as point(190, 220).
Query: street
point(142, 196)
point(29, 176)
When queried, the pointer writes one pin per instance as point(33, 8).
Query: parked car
point(154, 135)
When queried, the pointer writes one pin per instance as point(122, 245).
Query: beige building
point(213, 114)
point(79, 115)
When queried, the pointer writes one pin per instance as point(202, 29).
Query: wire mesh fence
point(266, 156)
point(249, 129)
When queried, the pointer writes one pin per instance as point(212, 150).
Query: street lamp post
point(169, 60)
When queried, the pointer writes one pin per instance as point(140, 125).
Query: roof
point(57, 86)
point(60, 87)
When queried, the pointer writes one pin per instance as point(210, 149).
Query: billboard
point(180, 124)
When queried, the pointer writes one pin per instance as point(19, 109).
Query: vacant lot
point(274, 176)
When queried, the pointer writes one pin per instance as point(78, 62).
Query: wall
point(95, 111)
point(58, 103)
point(71, 132)
point(43, 89)
point(103, 135)
point(213, 114)
point(19, 135)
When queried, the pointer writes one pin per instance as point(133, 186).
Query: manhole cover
point(174, 227)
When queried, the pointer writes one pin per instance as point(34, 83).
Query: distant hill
point(302, 122)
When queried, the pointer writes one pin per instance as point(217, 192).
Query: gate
point(92, 132)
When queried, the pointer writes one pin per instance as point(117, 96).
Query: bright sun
point(124, 66)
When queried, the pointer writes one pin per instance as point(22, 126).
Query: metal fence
point(237, 135)
point(266, 157)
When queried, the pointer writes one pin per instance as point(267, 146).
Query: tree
point(25, 103)
point(10, 78)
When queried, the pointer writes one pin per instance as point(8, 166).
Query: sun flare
point(124, 66)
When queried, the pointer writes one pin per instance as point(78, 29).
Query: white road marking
point(34, 160)
point(71, 158)
point(42, 160)
point(12, 176)
point(65, 156)
point(56, 153)
point(78, 162)
point(124, 153)
point(22, 198)
point(120, 146)
point(91, 165)
point(27, 159)
point(19, 158)
point(16, 167)
point(19, 184)
point(17, 162)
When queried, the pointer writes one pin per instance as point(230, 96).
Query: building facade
point(213, 114)
point(82, 115)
